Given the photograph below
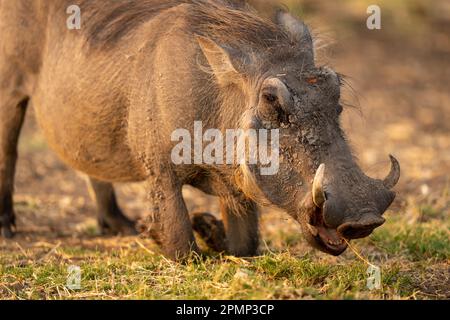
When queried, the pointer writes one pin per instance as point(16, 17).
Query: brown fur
point(108, 97)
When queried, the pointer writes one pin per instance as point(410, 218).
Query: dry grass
point(414, 263)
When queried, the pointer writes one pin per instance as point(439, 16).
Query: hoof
point(211, 230)
point(7, 223)
point(7, 232)
point(117, 226)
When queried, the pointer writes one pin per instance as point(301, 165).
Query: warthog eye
point(312, 80)
point(269, 97)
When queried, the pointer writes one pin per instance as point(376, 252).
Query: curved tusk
point(317, 189)
point(394, 175)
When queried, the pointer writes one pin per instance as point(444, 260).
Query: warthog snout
point(347, 206)
point(360, 229)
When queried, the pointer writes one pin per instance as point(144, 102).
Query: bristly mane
point(106, 22)
point(234, 24)
point(225, 21)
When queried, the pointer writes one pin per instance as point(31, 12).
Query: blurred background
point(399, 91)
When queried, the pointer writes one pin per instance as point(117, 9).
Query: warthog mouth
point(333, 240)
point(317, 233)
point(326, 239)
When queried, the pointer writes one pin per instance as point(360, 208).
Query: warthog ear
point(221, 60)
point(296, 28)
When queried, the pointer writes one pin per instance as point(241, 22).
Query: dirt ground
point(399, 103)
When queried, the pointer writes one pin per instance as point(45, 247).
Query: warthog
point(108, 97)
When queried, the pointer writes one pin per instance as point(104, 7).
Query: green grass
point(136, 272)
point(132, 274)
point(413, 255)
point(416, 242)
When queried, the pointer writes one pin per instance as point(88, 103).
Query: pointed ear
point(296, 28)
point(220, 60)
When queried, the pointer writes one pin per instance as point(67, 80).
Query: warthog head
point(318, 181)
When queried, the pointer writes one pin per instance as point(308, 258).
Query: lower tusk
point(312, 229)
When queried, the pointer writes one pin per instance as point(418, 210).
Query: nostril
point(357, 230)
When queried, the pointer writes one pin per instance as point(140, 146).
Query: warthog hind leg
point(12, 114)
point(237, 234)
point(110, 217)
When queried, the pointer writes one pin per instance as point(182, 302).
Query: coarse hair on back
point(105, 23)
point(234, 25)
point(230, 22)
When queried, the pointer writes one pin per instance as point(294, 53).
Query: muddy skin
point(107, 98)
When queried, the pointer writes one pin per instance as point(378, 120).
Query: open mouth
point(327, 239)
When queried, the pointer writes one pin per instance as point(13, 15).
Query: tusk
point(317, 189)
point(394, 175)
point(312, 229)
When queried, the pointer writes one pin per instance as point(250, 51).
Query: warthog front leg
point(237, 234)
point(12, 113)
point(169, 222)
point(110, 217)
